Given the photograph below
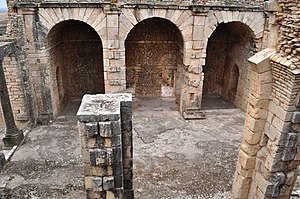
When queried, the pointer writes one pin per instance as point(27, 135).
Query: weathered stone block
point(93, 183)
point(296, 117)
point(246, 161)
point(241, 186)
point(100, 157)
point(264, 185)
point(255, 125)
point(108, 183)
point(281, 125)
point(260, 61)
point(277, 179)
point(291, 140)
point(251, 150)
point(105, 129)
point(250, 137)
point(246, 173)
point(94, 170)
point(280, 112)
point(289, 154)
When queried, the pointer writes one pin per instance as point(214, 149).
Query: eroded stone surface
point(173, 158)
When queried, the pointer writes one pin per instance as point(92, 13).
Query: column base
point(11, 140)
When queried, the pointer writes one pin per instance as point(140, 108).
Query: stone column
point(114, 54)
point(191, 92)
point(106, 145)
point(249, 176)
point(13, 136)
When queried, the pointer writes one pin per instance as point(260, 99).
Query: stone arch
point(254, 20)
point(228, 49)
point(183, 19)
point(76, 63)
point(154, 58)
point(94, 17)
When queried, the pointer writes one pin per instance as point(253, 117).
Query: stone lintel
point(260, 62)
point(262, 55)
point(101, 107)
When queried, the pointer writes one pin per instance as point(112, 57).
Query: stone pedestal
point(105, 131)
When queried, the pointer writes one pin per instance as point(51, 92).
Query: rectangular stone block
point(93, 183)
point(112, 20)
point(281, 125)
point(198, 33)
point(246, 161)
point(251, 137)
point(247, 173)
point(100, 157)
point(264, 185)
point(280, 112)
point(92, 129)
point(255, 125)
point(296, 118)
point(291, 139)
point(105, 129)
point(108, 183)
point(94, 170)
point(289, 154)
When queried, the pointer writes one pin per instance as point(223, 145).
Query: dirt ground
point(173, 157)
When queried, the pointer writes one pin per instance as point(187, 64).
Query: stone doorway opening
point(154, 60)
point(76, 55)
point(227, 70)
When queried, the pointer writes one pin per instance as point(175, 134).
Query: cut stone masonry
point(125, 46)
point(105, 131)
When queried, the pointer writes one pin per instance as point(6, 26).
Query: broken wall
point(105, 131)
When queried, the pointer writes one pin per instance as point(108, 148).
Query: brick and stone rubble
point(288, 18)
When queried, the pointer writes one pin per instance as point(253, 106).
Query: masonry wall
point(154, 58)
point(18, 79)
point(113, 26)
point(15, 89)
point(105, 132)
point(227, 71)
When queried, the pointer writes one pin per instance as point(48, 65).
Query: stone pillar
point(13, 136)
point(106, 145)
point(248, 172)
point(114, 54)
point(191, 92)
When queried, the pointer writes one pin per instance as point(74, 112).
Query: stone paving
point(173, 157)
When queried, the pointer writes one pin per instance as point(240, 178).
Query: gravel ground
point(173, 158)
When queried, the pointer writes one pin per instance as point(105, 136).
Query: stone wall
point(77, 60)
point(269, 152)
point(289, 31)
point(113, 25)
point(269, 155)
point(105, 131)
point(227, 71)
point(153, 56)
point(18, 78)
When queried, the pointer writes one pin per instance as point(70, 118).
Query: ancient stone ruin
point(246, 52)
